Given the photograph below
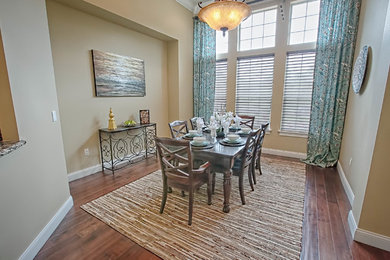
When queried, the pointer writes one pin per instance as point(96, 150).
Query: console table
point(126, 145)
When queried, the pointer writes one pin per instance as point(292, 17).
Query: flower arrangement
point(222, 121)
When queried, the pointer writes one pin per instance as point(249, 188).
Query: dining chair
point(178, 128)
point(178, 172)
point(244, 161)
point(258, 150)
point(247, 121)
point(193, 122)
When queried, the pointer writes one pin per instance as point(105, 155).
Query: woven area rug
point(269, 226)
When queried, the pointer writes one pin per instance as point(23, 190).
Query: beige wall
point(8, 125)
point(33, 182)
point(168, 18)
point(364, 109)
point(73, 34)
point(376, 207)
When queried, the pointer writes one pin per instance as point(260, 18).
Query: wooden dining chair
point(245, 161)
point(178, 172)
point(193, 122)
point(247, 121)
point(258, 150)
point(178, 128)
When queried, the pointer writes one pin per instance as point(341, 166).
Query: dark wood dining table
point(221, 158)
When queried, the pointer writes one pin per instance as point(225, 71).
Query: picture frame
point(118, 76)
point(144, 116)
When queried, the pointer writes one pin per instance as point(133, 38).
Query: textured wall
point(33, 182)
point(8, 125)
point(364, 109)
point(73, 34)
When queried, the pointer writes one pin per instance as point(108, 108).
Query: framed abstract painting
point(118, 76)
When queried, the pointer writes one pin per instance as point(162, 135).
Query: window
point(258, 31)
point(254, 87)
point(274, 45)
point(220, 86)
point(304, 22)
point(298, 86)
point(222, 42)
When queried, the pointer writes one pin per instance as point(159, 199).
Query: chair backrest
point(247, 121)
point(264, 129)
point(178, 128)
point(193, 122)
point(249, 150)
point(175, 158)
point(261, 137)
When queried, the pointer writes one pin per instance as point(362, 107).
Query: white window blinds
point(298, 86)
point(254, 87)
point(220, 85)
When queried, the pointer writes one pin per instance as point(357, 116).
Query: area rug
point(269, 226)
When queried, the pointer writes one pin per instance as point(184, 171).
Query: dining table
point(221, 158)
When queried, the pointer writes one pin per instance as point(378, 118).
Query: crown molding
point(189, 4)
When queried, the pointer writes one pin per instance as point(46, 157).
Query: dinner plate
point(234, 129)
point(189, 135)
point(205, 143)
point(237, 141)
point(222, 142)
point(242, 133)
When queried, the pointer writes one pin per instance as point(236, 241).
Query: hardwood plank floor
point(326, 234)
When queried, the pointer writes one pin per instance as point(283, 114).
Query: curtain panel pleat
point(338, 26)
point(204, 69)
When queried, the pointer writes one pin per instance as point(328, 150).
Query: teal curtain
point(334, 60)
point(204, 69)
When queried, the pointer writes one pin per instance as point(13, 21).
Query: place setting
point(191, 134)
point(245, 131)
point(232, 140)
point(200, 142)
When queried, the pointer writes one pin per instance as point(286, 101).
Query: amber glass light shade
point(224, 15)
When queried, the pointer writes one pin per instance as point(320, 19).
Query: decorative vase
point(111, 121)
point(220, 133)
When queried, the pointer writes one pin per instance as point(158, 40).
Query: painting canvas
point(118, 76)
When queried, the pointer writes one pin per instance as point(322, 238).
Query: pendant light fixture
point(224, 15)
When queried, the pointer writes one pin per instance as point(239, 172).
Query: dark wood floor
point(325, 230)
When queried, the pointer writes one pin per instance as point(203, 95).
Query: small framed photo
point(144, 116)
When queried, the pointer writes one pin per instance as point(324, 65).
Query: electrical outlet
point(350, 161)
point(86, 152)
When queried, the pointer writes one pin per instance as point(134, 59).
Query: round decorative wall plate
point(359, 69)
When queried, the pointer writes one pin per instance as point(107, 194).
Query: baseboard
point(36, 245)
point(84, 172)
point(95, 169)
point(352, 223)
point(372, 239)
point(283, 153)
point(344, 181)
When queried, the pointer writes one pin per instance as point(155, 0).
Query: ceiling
point(192, 5)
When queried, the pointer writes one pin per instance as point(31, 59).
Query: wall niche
point(8, 126)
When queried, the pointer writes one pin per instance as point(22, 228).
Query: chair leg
point(213, 184)
point(250, 177)
point(165, 194)
point(209, 186)
point(190, 204)
point(254, 174)
point(259, 165)
point(253, 163)
point(241, 187)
